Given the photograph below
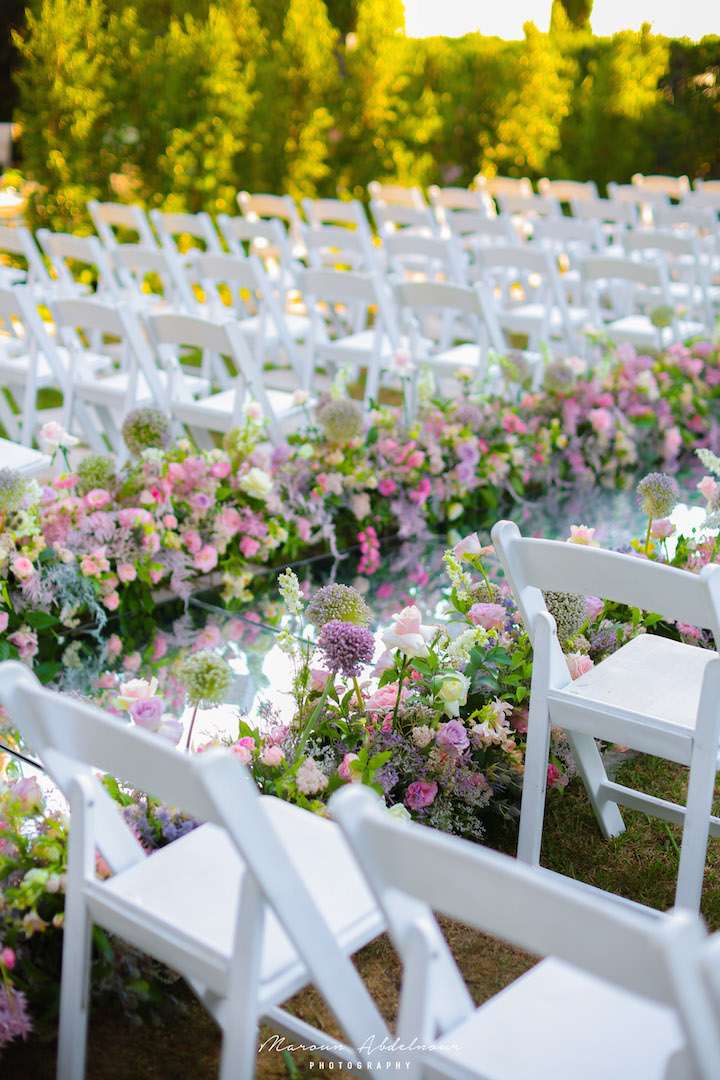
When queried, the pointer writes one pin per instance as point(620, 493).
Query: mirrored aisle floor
point(410, 571)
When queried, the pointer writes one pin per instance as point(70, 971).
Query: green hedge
point(180, 103)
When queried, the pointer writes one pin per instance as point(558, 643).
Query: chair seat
point(638, 329)
point(22, 458)
point(217, 410)
point(651, 681)
point(111, 388)
point(355, 348)
point(558, 1023)
point(184, 899)
point(15, 363)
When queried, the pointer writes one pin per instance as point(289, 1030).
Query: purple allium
point(346, 647)
point(657, 495)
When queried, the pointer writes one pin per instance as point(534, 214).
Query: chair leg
point(532, 809)
point(239, 1043)
point(74, 991)
point(592, 771)
point(693, 851)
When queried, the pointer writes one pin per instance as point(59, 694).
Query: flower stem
point(401, 679)
point(358, 693)
point(647, 535)
point(314, 716)
point(192, 725)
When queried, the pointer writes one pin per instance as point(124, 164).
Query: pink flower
point(97, 498)
point(170, 521)
point(709, 488)
point(555, 778)
point(28, 793)
point(469, 545)
point(384, 698)
point(249, 547)
point(126, 572)
point(192, 541)
point(229, 520)
point(304, 528)
point(408, 633)
point(688, 631)
point(387, 486)
point(490, 616)
point(4, 620)
point(582, 534)
point(318, 678)
point(578, 664)
point(593, 606)
point(344, 771)
point(147, 712)
point(26, 643)
point(107, 680)
point(452, 736)
point(661, 528)
point(22, 568)
point(420, 794)
point(160, 647)
point(422, 492)
point(113, 646)
point(601, 421)
point(220, 469)
point(272, 756)
point(206, 558)
point(7, 959)
point(132, 662)
point(112, 601)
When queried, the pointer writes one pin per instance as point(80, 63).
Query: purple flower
point(421, 794)
point(452, 736)
point(147, 712)
point(346, 646)
point(14, 1020)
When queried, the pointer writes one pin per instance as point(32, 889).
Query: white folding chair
point(139, 269)
point(566, 191)
point(216, 338)
point(17, 242)
point(526, 209)
point(280, 208)
point(529, 298)
point(395, 217)
point(674, 187)
point(353, 323)
point(568, 240)
point(410, 255)
point(22, 459)
point(612, 216)
point(475, 231)
point(396, 194)
point(249, 907)
point(658, 696)
point(268, 241)
point(445, 201)
point(503, 185)
point(621, 295)
point(701, 220)
point(30, 360)
point(92, 332)
point(626, 987)
point(644, 199)
point(182, 233)
point(337, 246)
point(237, 285)
point(113, 221)
point(68, 256)
point(450, 327)
point(688, 274)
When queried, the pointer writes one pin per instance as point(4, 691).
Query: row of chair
point(264, 897)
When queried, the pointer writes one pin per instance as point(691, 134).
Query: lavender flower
point(657, 495)
point(340, 603)
point(14, 1020)
point(346, 647)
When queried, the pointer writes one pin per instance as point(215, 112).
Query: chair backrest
point(651, 241)
point(638, 196)
point(409, 253)
point(394, 217)
point(444, 199)
point(529, 205)
point(266, 239)
point(395, 194)
point(73, 739)
point(611, 268)
point(66, 251)
point(279, 207)
point(452, 302)
point(125, 217)
point(476, 229)
point(565, 234)
point(339, 212)
point(20, 322)
point(18, 241)
point(568, 190)
point(553, 565)
point(675, 187)
point(415, 871)
point(504, 185)
point(174, 228)
point(609, 211)
point(364, 295)
point(135, 264)
point(707, 186)
point(336, 245)
point(698, 219)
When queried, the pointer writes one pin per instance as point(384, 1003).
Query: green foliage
point(180, 103)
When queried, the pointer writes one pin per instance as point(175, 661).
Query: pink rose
point(344, 771)
point(113, 646)
point(578, 664)
point(582, 534)
point(408, 633)
point(489, 616)
point(593, 606)
point(709, 488)
point(97, 498)
point(229, 520)
point(192, 541)
point(387, 487)
point(25, 641)
point(420, 794)
point(661, 528)
point(126, 572)
point(107, 680)
point(452, 736)
point(7, 958)
point(112, 601)
point(272, 756)
point(384, 698)
point(206, 558)
point(220, 469)
point(601, 421)
point(249, 547)
point(147, 712)
point(170, 521)
point(22, 568)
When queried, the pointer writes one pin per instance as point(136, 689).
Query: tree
point(578, 12)
point(66, 110)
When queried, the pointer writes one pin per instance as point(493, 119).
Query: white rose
point(256, 483)
point(453, 691)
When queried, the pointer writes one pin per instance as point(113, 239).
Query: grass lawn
point(641, 864)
